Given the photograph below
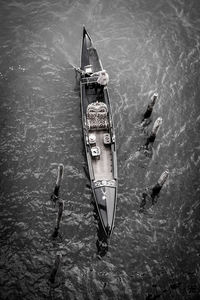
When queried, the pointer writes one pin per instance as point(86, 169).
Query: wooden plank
point(102, 167)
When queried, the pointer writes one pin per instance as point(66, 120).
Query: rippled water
point(146, 46)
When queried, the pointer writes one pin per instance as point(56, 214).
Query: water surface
point(146, 46)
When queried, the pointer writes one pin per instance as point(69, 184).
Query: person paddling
point(103, 77)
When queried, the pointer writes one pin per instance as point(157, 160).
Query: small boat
point(99, 135)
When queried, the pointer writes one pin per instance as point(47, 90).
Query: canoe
point(99, 135)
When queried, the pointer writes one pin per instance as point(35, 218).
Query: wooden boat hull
point(99, 136)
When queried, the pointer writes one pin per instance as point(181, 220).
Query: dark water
point(146, 46)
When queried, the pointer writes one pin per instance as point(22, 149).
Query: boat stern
point(105, 193)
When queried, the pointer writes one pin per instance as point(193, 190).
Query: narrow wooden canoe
point(99, 136)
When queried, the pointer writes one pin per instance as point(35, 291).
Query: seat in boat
point(95, 151)
point(97, 116)
point(106, 139)
point(92, 139)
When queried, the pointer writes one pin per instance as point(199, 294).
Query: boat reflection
point(102, 238)
point(102, 242)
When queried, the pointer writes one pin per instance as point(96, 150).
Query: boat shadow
point(102, 238)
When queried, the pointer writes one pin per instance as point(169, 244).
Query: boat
point(99, 135)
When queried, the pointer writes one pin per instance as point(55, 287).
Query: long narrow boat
point(99, 136)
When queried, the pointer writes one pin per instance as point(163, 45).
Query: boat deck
point(102, 167)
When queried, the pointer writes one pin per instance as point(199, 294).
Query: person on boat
point(81, 72)
point(103, 77)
